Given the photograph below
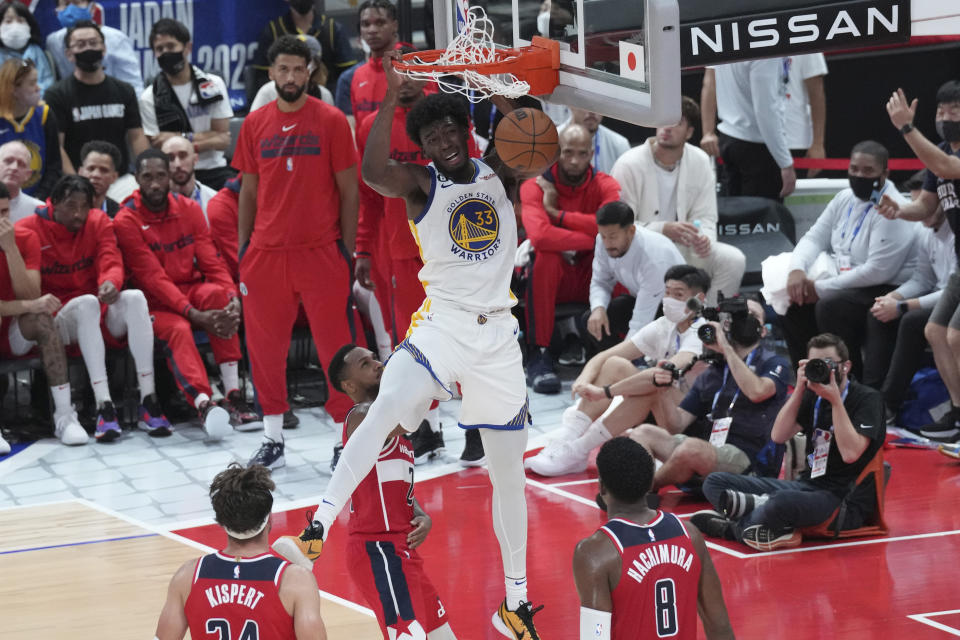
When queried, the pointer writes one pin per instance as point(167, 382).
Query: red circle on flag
point(632, 61)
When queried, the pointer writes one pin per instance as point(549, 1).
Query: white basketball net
point(473, 45)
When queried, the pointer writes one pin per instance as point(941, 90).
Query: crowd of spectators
point(128, 180)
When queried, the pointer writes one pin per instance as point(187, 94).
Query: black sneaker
point(946, 429)
point(473, 455)
point(736, 504)
point(270, 455)
point(763, 538)
point(305, 548)
point(427, 444)
point(290, 419)
point(713, 524)
point(337, 450)
point(541, 373)
point(574, 354)
point(516, 624)
point(108, 429)
point(242, 417)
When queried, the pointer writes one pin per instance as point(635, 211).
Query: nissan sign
point(842, 25)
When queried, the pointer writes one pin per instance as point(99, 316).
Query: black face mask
point(863, 187)
point(949, 130)
point(172, 62)
point(89, 60)
point(302, 7)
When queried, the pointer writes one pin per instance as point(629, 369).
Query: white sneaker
point(573, 423)
point(558, 460)
point(216, 421)
point(4, 446)
point(68, 429)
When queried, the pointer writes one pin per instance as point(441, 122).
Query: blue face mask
point(72, 15)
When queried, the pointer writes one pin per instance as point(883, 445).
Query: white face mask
point(674, 310)
point(15, 35)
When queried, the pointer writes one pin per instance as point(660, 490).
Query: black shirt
point(752, 422)
point(948, 192)
point(85, 112)
point(866, 411)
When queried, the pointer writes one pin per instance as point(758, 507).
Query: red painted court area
point(902, 585)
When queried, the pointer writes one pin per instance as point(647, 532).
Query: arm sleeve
point(929, 181)
point(868, 412)
point(372, 205)
point(223, 216)
point(602, 279)
point(777, 369)
point(211, 265)
point(145, 267)
point(52, 162)
point(244, 159)
point(148, 114)
point(890, 244)
point(703, 205)
point(341, 138)
point(109, 260)
point(816, 239)
point(923, 280)
point(131, 108)
point(544, 235)
point(644, 339)
point(768, 105)
point(30, 252)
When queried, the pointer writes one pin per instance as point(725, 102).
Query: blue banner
point(224, 31)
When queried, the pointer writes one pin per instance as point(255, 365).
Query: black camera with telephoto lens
point(734, 315)
point(818, 370)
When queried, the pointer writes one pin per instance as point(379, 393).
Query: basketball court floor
point(90, 536)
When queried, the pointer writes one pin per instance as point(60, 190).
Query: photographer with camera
point(724, 422)
point(871, 256)
point(670, 341)
point(844, 424)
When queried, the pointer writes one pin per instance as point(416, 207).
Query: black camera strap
point(723, 385)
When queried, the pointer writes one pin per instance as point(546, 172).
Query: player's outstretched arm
point(299, 588)
point(173, 620)
point(596, 567)
point(387, 176)
point(710, 605)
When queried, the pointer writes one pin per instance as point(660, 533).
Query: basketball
point(526, 140)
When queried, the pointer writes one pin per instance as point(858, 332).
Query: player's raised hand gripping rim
point(394, 79)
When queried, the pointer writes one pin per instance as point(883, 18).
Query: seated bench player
point(387, 524)
point(167, 248)
point(27, 319)
point(81, 266)
point(724, 422)
point(671, 337)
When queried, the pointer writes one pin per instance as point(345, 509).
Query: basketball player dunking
point(387, 523)
point(243, 591)
point(465, 227)
point(643, 574)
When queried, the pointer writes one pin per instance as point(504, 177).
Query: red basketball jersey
point(383, 501)
point(656, 596)
point(238, 598)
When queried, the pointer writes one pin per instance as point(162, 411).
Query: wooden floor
point(75, 572)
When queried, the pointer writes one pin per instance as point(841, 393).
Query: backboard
point(620, 58)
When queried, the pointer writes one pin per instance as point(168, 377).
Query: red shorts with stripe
point(393, 581)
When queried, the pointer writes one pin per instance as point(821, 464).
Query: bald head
point(182, 158)
point(15, 169)
point(575, 134)
point(576, 154)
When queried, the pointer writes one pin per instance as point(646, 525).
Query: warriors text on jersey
point(467, 235)
point(383, 501)
point(656, 596)
point(238, 598)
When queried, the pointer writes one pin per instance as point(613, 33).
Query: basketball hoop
point(486, 70)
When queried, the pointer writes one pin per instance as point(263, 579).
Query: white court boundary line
point(178, 538)
point(923, 618)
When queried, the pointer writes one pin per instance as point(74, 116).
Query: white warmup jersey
point(467, 235)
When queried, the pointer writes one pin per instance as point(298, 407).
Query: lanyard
point(196, 194)
point(596, 147)
point(816, 407)
point(726, 371)
point(103, 205)
point(856, 230)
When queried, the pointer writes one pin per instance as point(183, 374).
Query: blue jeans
point(792, 503)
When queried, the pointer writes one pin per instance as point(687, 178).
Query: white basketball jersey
point(467, 235)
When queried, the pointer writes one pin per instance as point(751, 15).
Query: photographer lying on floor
point(844, 424)
point(724, 422)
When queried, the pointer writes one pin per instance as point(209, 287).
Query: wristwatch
point(903, 307)
point(907, 128)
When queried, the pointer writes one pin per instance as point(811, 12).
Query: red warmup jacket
point(164, 250)
point(383, 225)
point(576, 229)
point(223, 213)
point(75, 264)
point(367, 88)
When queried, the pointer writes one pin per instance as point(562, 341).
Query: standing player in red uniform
point(298, 211)
point(243, 591)
point(387, 523)
point(644, 574)
point(167, 247)
point(81, 266)
point(222, 218)
point(378, 30)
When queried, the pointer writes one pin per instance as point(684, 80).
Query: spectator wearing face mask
point(120, 60)
point(20, 38)
point(24, 117)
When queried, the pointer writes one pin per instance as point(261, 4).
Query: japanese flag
point(632, 62)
